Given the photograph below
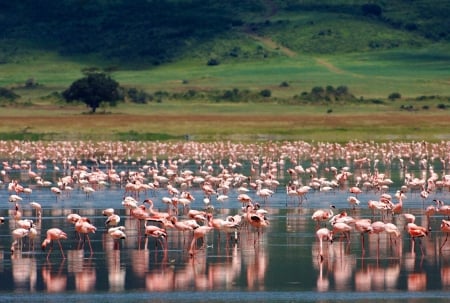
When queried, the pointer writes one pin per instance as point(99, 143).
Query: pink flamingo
point(84, 226)
point(54, 234)
point(323, 234)
point(416, 232)
point(445, 228)
point(322, 215)
point(199, 233)
point(363, 226)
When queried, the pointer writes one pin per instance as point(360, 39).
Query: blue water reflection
point(282, 263)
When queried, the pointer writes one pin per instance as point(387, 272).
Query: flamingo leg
point(440, 249)
point(60, 247)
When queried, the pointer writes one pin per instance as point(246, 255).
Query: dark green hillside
point(160, 31)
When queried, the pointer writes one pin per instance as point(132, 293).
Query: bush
point(8, 94)
point(138, 96)
point(394, 96)
point(265, 93)
point(212, 62)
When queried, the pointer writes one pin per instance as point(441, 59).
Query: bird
point(112, 220)
point(156, 232)
point(108, 212)
point(445, 228)
point(56, 191)
point(117, 233)
point(353, 201)
point(256, 219)
point(416, 232)
point(244, 198)
point(199, 233)
point(392, 230)
point(363, 226)
point(222, 225)
point(88, 191)
point(183, 226)
point(84, 226)
point(355, 190)
point(377, 228)
point(18, 234)
point(54, 234)
point(38, 209)
point(322, 215)
point(343, 228)
point(323, 234)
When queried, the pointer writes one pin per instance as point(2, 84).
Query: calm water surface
point(281, 264)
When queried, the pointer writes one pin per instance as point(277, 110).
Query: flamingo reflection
point(24, 271)
point(54, 281)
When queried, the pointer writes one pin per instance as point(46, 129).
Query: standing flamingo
point(416, 232)
point(155, 232)
point(363, 226)
point(117, 233)
point(18, 234)
point(84, 226)
point(445, 228)
point(199, 233)
point(54, 234)
point(322, 215)
point(323, 234)
point(38, 209)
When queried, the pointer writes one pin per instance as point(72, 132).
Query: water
point(281, 264)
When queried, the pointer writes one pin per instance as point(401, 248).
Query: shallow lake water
point(281, 263)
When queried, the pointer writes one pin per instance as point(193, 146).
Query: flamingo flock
point(169, 174)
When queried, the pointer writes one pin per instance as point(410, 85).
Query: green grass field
point(370, 75)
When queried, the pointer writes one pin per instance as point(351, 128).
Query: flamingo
point(222, 225)
point(155, 232)
point(363, 226)
point(84, 226)
point(322, 215)
point(341, 227)
point(416, 232)
point(355, 190)
point(117, 233)
point(323, 234)
point(56, 191)
point(112, 220)
point(54, 234)
point(183, 226)
point(392, 230)
point(377, 228)
point(244, 198)
point(38, 209)
point(199, 233)
point(256, 219)
point(353, 201)
point(18, 234)
point(445, 228)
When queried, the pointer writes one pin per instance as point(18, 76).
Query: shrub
point(8, 94)
point(265, 93)
point(212, 62)
point(394, 96)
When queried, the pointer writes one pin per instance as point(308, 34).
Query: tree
point(93, 90)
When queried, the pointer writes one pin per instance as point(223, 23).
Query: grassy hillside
point(142, 33)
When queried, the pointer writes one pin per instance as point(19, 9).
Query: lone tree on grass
point(93, 90)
